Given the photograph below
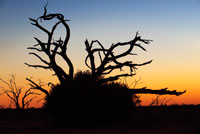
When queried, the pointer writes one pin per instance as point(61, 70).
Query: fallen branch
point(163, 91)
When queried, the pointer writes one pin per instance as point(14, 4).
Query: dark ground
point(146, 120)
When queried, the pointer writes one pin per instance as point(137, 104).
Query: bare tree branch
point(163, 91)
point(44, 61)
point(37, 66)
point(116, 77)
point(37, 87)
point(25, 103)
point(35, 23)
point(110, 61)
point(37, 49)
point(52, 48)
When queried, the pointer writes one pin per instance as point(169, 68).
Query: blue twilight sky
point(173, 25)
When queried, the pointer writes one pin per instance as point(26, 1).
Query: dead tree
point(52, 48)
point(109, 61)
point(16, 95)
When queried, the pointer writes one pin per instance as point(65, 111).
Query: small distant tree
point(19, 98)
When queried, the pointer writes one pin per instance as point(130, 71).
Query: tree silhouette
point(19, 99)
point(109, 61)
point(94, 95)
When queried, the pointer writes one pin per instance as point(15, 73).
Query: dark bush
point(85, 101)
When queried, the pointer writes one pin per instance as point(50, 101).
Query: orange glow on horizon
point(151, 80)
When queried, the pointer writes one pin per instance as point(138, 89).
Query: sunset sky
point(173, 25)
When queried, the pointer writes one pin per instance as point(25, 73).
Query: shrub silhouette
point(85, 101)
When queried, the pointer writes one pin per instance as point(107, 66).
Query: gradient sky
point(173, 25)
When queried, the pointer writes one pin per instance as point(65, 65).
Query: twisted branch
point(109, 60)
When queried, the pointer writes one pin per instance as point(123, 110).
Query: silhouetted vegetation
point(19, 98)
point(93, 96)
